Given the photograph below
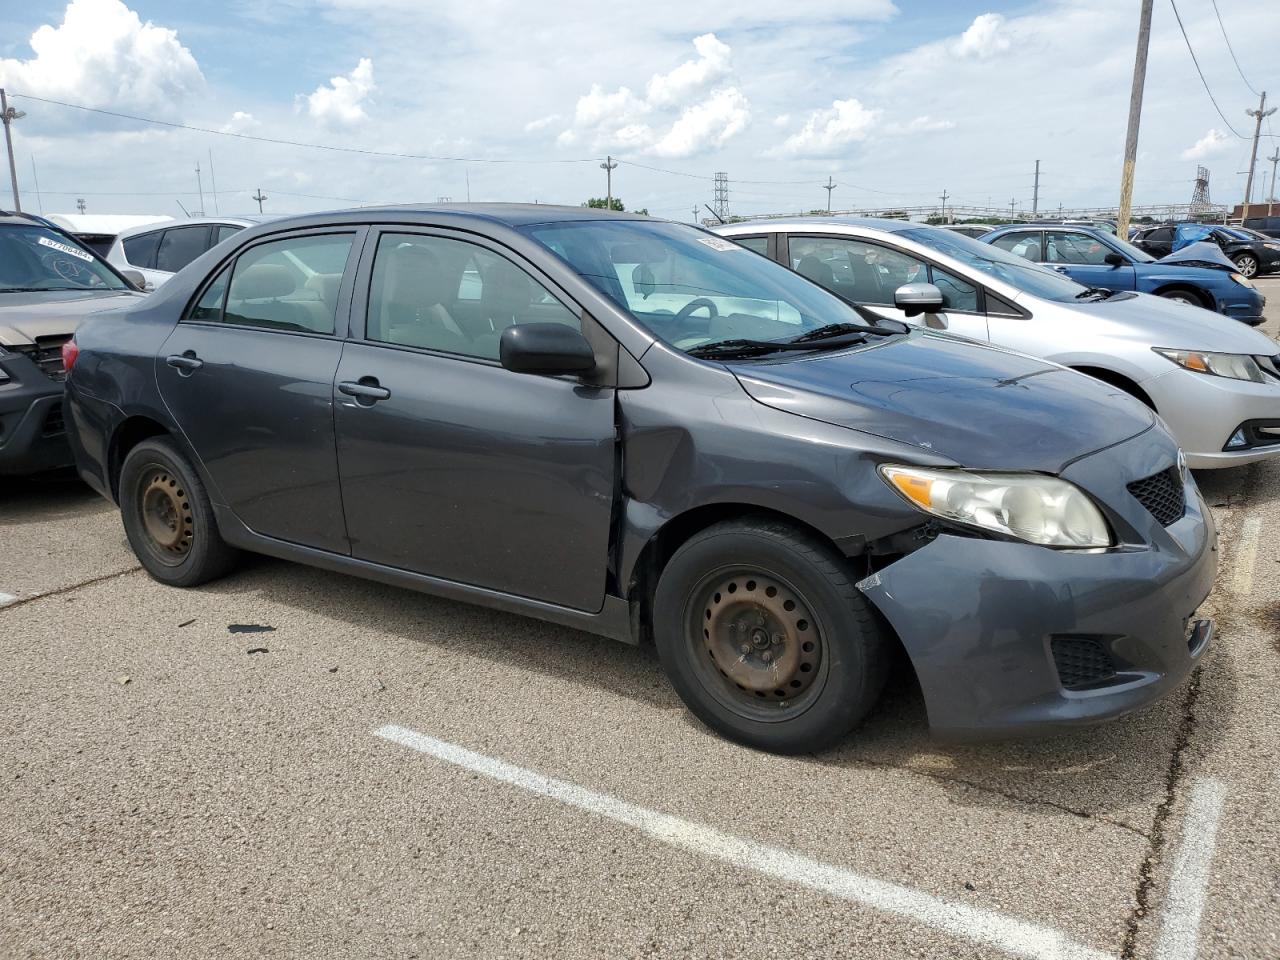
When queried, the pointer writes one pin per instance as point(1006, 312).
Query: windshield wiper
point(742, 347)
point(831, 330)
point(36, 289)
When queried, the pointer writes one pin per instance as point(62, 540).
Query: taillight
point(69, 354)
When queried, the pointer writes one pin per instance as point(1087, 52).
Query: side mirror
point(914, 299)
point(545, 348)
point(137, 279)
point(1114, 259)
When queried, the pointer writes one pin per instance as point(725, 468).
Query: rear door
point(248, 376)
point(869, 273)
point(451, 465)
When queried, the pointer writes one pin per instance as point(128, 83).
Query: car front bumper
point(1244, 304)
point(32, 435)
point(1203, 412)
point(982, 620)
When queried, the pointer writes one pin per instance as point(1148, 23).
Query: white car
point(159, 251)
point(1215, 381)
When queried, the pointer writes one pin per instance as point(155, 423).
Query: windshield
point(36, 258)
point(998, 263)
point(689, 287)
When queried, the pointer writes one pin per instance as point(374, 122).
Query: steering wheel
point(686, 312)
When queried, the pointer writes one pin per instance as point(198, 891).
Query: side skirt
point(613, 620)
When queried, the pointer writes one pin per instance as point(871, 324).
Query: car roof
point(774, 224)
point(243, 221)
point(506, 214)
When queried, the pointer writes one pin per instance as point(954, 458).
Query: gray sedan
point(1215, 382)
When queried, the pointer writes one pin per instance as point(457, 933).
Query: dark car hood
point(25, 316)
point(979, 406)
point(1199, 254)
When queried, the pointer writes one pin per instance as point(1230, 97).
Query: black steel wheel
point(766, 639)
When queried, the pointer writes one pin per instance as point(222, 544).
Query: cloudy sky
point(897, 100)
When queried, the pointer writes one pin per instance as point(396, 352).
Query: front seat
point(257, 294)
point(817, 271)
point(412, 311)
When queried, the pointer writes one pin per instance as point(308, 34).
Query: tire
point(168, 518)
point(746, 596)
point(1183, 296)
point(1247, 264)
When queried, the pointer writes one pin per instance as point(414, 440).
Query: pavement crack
point(1014, 797)
point(23, 601)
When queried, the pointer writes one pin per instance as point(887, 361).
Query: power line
point(1178, 16)
point(293, 143)
point(1231, 51)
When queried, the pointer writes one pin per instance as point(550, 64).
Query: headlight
point(1241, 279)
point(1237, 366)
point(1038, 509)
point(1272, 246)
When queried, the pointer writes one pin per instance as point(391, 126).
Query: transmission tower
point(1200, 203)
point(722, 195)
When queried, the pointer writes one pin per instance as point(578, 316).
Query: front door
point(869, 273)
point(248, 374)
point(1083, 257)
point(451, 465)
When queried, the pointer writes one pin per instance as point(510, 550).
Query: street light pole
point(1260, 114)
point(1135, 117)
point(260, 196)
point(8, 115)
point(829, 186)
point(1275, 159)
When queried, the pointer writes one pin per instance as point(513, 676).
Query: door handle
point(186, 363)
point(366, 390)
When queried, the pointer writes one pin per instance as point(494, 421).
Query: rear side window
point(180, 246)
point(224, 230)
point(758, 244)
point(288, 284)
point(209, 307)
point(141, 251)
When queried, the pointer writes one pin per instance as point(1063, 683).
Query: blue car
point(1198, 274)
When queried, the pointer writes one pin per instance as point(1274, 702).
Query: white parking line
point(1016, 937)
point(1246, 557)
point(1190, 879)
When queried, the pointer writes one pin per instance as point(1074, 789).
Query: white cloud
point(782, 120)
point(713, 63)
point(341, 102)
point(920, 124)
point(712, 122)
point(103, 54)
point(240, 122)
point(676, 117)
point(541, 122)
point(985, 38)
point(826, 131)
point(1215, 141)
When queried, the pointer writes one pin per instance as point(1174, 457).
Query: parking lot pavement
point(177, 789)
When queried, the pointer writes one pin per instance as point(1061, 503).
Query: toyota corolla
point(640, 429)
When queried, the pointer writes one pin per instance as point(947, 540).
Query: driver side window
point(855, 269)
point(1077, 248)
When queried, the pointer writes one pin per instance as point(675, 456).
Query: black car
point(49, 282)
point(646, 431)
point(1251, 255)
point(1268, 226)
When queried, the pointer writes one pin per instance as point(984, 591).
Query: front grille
point(1162, 494)
point(1081, 661)
point(46, 353)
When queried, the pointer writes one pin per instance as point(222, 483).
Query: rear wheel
point(1247, 264)
point(168, 517)
point(765, 637)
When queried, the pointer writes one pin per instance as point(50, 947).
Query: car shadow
point(43, 497)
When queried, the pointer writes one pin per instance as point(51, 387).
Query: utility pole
point(40, 203)
point(1035, 195)
point(1274, 158)
point(695, 213)
point(8, 114)
point(608, 167)
point(943, 198)
point(1135, 117)
point(259, 197)
point(80, 204)
point(213, 184)
point(1261, 113)
point(1012, 201)
point(200, 188)
point(829, 187)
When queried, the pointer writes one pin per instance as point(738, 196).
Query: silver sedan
point(1214, 381)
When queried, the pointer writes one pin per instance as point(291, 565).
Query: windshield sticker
point(64, 248)
point(715, 243)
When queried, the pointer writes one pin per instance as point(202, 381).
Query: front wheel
point(1183, 296)
point(766, 639)
point(1247, 264)
point(168, 517)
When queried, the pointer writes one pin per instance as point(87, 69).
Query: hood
point(25, 316)
point(1153, 320)
point(1199, 254)
point(981, 407)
